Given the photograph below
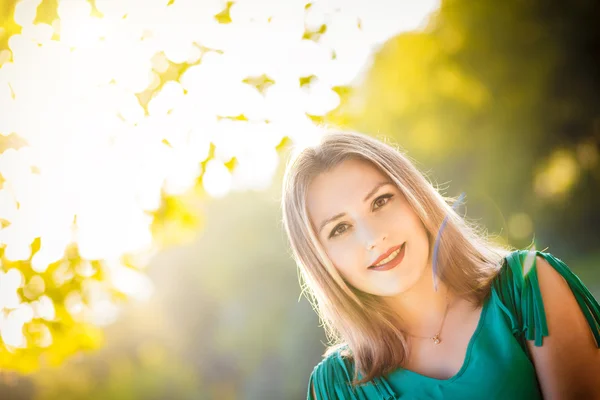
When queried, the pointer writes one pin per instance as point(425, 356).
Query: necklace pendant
point(436, 339)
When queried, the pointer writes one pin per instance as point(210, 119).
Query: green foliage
point(486, 97)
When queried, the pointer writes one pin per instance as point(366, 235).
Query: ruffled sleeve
point(517, 288)
point(332, 377)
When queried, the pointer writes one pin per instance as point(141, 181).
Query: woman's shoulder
point(517, 288)
point(333, 377)
point(519, 266)
point(519, 269)
point(333, 374)
point(336, 363)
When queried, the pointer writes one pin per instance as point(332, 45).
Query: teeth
point(389, 258)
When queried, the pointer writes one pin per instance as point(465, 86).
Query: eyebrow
point(367, 197)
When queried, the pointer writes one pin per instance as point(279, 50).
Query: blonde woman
point(416, 302)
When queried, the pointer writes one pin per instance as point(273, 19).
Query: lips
point(393, 262)
point(386, 254)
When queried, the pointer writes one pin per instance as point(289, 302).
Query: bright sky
point(96, 159)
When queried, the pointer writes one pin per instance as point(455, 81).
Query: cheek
point(346, 259)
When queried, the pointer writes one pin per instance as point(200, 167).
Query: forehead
point(341, 188)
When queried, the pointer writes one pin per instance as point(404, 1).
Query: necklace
point(435, 338)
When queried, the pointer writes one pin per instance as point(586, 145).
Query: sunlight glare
point(119, 105)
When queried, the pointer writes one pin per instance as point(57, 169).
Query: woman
point(419, 304)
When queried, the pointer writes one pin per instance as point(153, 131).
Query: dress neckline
point(467, 359)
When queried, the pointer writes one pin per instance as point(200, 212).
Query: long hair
point(360, 322)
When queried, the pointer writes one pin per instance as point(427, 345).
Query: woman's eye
point(337, 231)
point(382, 200)
point(377, 204)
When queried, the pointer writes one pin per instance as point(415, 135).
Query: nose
point(371, 233)
point(373, 243)
point(374, 239)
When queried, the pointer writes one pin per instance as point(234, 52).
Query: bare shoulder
point(568, 362)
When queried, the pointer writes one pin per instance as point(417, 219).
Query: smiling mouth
point(391, 261)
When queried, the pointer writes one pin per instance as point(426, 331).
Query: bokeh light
point(121, 106)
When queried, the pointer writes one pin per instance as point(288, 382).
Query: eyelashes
point(335, 232)
point(386, 196)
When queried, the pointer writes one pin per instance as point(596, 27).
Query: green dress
point(497, 364)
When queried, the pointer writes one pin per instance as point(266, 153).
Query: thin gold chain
point(436, 338)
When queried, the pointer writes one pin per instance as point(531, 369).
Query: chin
point(397, 285)
point(391, 291)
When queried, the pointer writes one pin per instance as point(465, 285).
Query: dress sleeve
point(518, 289)
point(331, 379)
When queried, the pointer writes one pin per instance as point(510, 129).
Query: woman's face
point(359, 215)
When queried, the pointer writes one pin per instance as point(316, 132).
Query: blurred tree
point(120, 120)
point(503, 99)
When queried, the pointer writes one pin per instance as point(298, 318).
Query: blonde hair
point(467, 261)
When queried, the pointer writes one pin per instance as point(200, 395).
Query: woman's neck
point(421, 308)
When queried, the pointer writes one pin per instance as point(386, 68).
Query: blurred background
point(142, 145)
